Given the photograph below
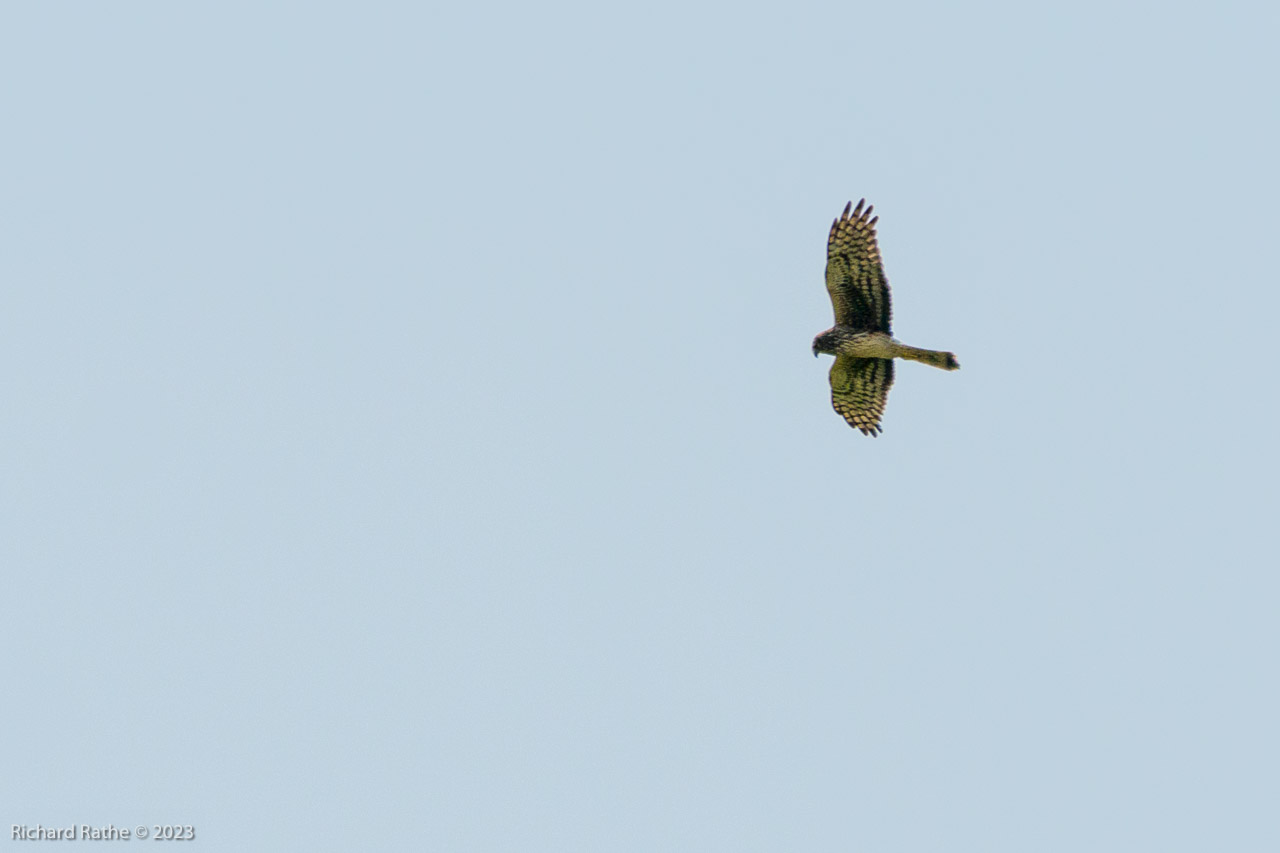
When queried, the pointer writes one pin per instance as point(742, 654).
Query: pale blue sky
point(411, 438)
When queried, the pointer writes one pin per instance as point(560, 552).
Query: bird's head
point(825, 342)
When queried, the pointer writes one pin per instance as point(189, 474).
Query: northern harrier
point(861, 339)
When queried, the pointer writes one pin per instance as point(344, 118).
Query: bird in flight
point(862, 340)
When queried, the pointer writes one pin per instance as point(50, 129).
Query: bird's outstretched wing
point(855, 277)
point(860, 389)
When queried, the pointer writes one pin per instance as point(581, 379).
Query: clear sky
point(411, 438)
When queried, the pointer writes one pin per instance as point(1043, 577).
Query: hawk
point(862, 340)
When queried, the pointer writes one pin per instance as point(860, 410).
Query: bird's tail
point(933, 358)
